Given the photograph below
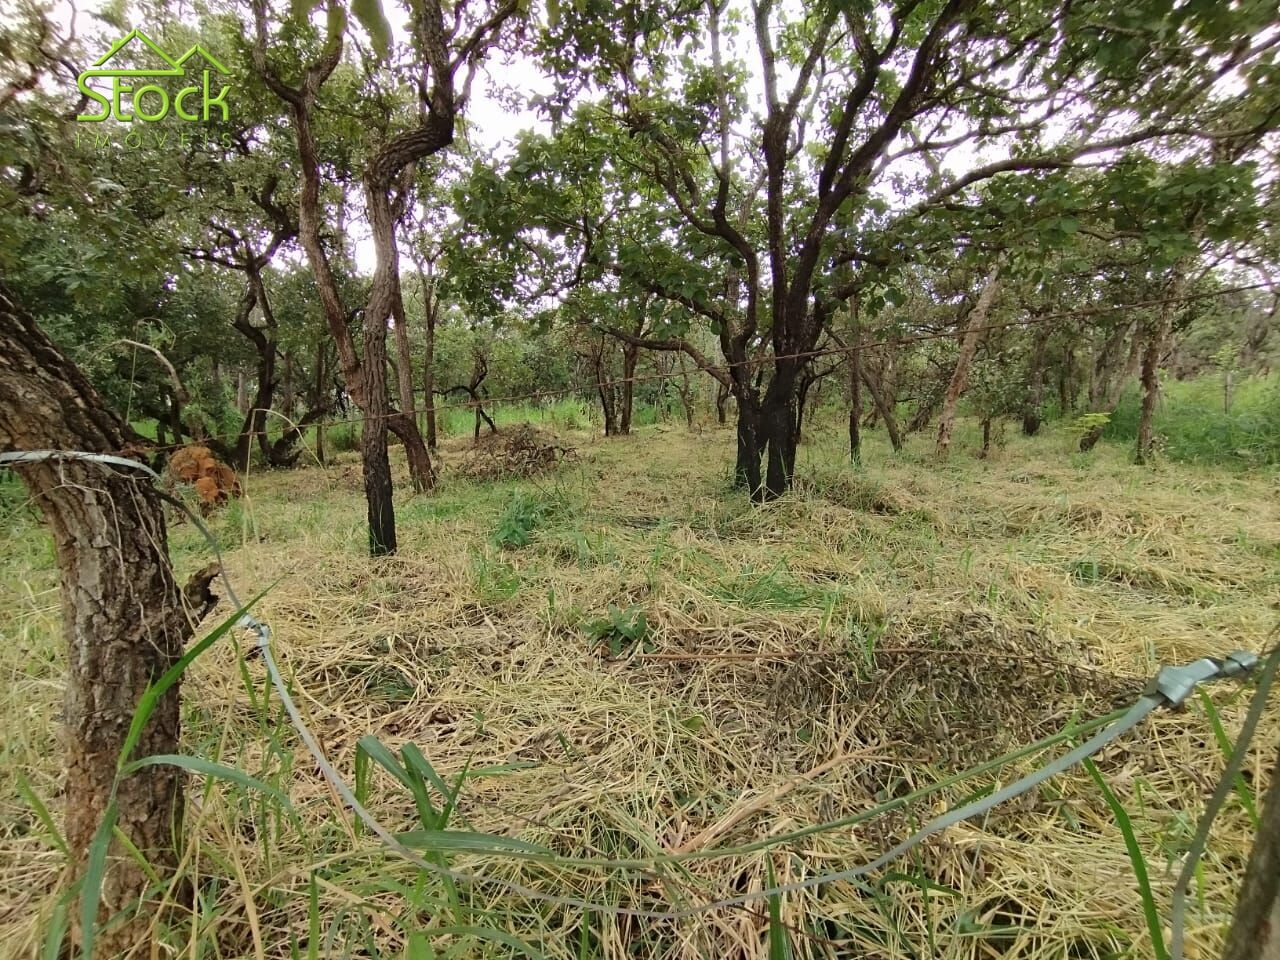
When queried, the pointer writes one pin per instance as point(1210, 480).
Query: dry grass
point(866, 636)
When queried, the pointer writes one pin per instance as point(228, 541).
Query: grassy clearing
point(622, 658)
point(1193, 425)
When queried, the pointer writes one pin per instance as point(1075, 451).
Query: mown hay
point(513, 452)
point(804, 662)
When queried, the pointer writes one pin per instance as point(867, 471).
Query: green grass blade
point(492, 935)
point(42, 814)
point(379, 754)
point(779, 941)
point(466, 841)
point(1139, 862)
point(211, 769)
point(1225, 745)
point(91, 882)
point(57, 932)
point(151, 696)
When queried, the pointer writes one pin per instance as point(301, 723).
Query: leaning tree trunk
point(882, 406)
point(1255, 929)
point(960, 377)
point(124, 621)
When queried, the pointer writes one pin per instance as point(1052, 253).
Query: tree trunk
point(242, 393)
point(960, 377)
point(778, 431)
point(1067, 385)
point(630, 357)
point(404, 367)
point(1156, 339)
point(1035, 385)
point(685, 389)
point(429, 361)
point(1255, 928)
point(747, 469)
point(377, 405)
point(855, 398)
point(986, 438)
point(373, 447)
point(124, 622)
point(802, 397)
point(883, 407)
point(287, 406)
point(722, 401)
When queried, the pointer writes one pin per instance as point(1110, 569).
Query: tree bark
point(430, 307)
point(855, 398)
point(124, 621)
point(960, 377)
point(1255, 928)
point(1031, 415)
point(1157, 337)
point(404, 367)
point(630, 357)
point(883, 407)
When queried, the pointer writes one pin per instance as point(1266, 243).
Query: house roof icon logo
point(172, 67)
point(146, 59)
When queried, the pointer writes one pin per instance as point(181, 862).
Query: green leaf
point(91, 882)
point(1149, 908)
point(379, 754)
point(151, 696)
point(466, 841)
point(210, 768)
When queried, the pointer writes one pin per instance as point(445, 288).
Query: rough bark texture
point(1255, 929)
point(855, 398)
point(430, 309)
point(404, 366)
point(1031, 415)
point(1157, 336)
point(124, 621)
point(630, 357)
point(960, 377)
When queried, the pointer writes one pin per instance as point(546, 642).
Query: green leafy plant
point(516, 524)
point(621, 629)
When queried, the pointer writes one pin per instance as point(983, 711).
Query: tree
point(1255, 928)
point(444, 47)
point(125, 621)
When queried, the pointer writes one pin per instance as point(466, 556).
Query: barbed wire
point(727, 366)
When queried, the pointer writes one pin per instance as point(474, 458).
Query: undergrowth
point(623, 660)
